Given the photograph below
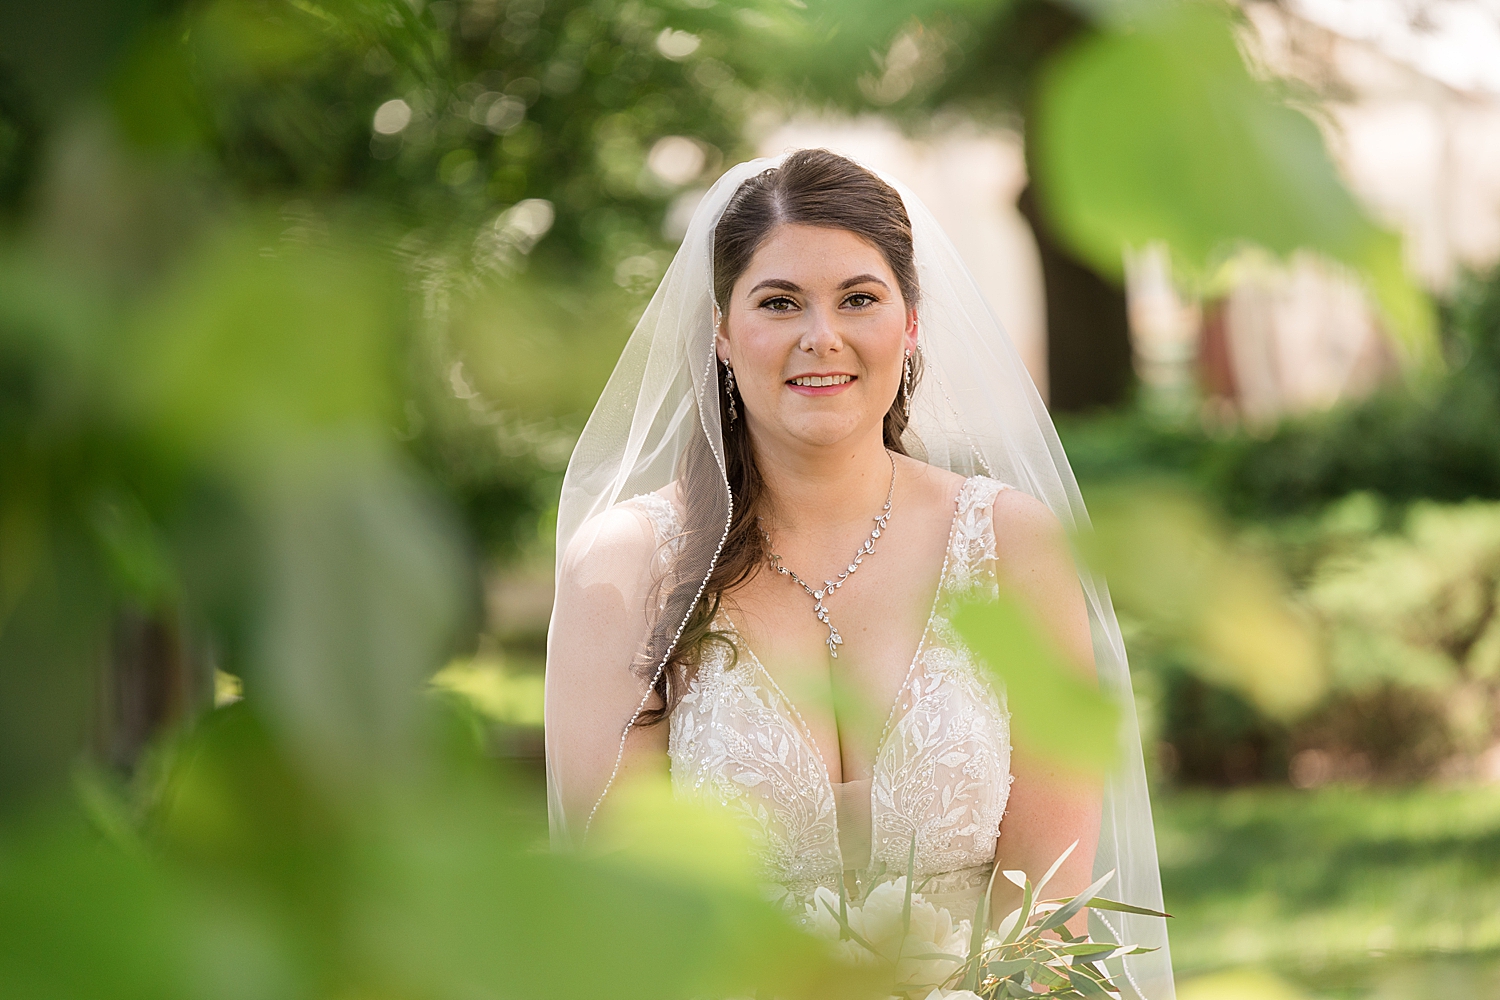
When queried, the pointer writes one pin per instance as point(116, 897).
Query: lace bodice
point(942, 765)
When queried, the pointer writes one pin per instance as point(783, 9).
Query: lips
point(815, 381)
point(821, 383)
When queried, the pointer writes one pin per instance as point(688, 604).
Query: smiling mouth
point(820, 380)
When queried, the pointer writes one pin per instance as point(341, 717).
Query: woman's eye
point(780, 303)
point(860, 299)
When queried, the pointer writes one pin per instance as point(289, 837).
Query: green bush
point(1375, 513)
point(1408, 622)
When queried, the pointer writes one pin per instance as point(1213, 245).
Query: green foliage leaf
point(80, 918)
point(1085, 984)
point(1007, 968)
point(1100, 903)
point(1023, 914)
point(1069, 909)
point(1087, 950)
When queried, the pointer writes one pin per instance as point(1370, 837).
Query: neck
point(814, 489)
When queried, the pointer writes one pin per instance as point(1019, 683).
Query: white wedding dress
point(942, 766)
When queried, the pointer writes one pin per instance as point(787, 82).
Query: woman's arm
point(597, 628)
point(1050, 807)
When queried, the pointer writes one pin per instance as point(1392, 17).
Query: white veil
point(975, 411)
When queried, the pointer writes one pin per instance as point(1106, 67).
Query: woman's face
point(816, 304)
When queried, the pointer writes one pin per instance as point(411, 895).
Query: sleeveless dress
point(942, 766)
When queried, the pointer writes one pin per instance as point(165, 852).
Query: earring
point(729, 392)
point(906, 386)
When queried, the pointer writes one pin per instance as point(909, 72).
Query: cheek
point(886, 350)
point(760, 348)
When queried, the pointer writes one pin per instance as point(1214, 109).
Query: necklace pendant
point(829, 586)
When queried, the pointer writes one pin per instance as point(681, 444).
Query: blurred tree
point(457, 138)
point(1089, 363)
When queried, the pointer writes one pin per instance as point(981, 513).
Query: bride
point(817, 439)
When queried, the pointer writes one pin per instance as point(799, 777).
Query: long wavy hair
point(812, 187)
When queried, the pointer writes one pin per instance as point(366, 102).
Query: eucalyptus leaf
point(1066, 912)
point(1025, 914)
point(976, 941)
point(1006, 968)
point(1085, 984)
point(1055, 866)
point(1089, 949)
point(1100, 903)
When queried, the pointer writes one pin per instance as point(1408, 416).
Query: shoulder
point(936, 487)
point(1034, 560)
point(1020, 518)
point(618, 545)
point(1031, 544)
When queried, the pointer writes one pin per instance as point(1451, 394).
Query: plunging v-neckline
point(804, 730)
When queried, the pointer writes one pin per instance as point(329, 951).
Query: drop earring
point(906, 386)
point(729, 392)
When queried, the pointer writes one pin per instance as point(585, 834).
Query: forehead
point(806, 254)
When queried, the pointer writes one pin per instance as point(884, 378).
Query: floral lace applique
point(732, 740)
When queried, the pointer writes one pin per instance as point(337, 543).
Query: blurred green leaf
point(151, 93)
point(257, 341)
point(1055, 713)
point(363, 582)
point(439, 884)
point(1156, 131)
point(50, 644)
point(60, 51)
point(79, 918)
point(1173, 567)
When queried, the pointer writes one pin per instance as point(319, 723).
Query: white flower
point(822, 912)
point(877, 922)
point(953, 995)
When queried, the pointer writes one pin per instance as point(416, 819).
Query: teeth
point(812, 380)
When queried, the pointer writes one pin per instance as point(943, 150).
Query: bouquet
point(932, 956)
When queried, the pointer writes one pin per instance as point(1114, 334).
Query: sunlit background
point(303, 303)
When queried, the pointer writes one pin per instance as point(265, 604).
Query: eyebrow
point(781, 283)
point(790, 286)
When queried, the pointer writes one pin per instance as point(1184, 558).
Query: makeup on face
point(818, 315)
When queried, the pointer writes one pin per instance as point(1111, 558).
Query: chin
point(826, 430)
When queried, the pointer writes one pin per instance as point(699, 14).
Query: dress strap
point(665, 520)
point(666, 526)
point(971, 556)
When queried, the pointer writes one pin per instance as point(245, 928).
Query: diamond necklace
point(829, 586)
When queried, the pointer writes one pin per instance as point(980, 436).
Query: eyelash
point(767, 304)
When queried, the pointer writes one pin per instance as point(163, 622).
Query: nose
point(821, 337)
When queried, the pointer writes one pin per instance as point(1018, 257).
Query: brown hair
point(812, 187)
